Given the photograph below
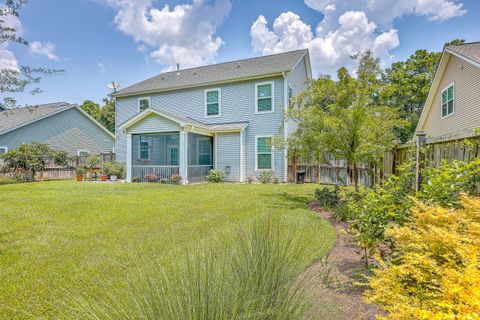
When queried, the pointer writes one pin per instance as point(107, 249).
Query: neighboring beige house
point(452, 108)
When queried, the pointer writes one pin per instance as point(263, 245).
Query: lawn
point(58, 237)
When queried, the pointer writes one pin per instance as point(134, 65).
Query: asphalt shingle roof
point(468, 50)
point(13, 118)
point(228, 71)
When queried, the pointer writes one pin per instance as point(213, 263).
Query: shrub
point(175, 178)
point(250, 179)
point(253, 277)
point(8, 181)
point(116, 169)
point(265, 176)
point(444, 184)
point(275, 180)
point(151, 177)
point(216, 176)
point(79, 171)
point(135, 179)
point(163, 181)
point(435, 274)
point(328, 197)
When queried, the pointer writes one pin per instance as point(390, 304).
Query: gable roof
point(264, 66)
point(469, 52)
point(12, 119)
point(183, 121)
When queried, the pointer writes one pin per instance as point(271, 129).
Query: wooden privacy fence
point(330, 174)
point(53, 171)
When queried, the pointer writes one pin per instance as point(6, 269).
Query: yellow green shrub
point(436, 274)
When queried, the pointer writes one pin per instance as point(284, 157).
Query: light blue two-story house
point(223, 116)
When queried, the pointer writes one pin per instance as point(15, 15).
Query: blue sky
point(97, 41)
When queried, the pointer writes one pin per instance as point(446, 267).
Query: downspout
point(285, 127)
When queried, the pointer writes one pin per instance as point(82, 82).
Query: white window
point(143, 103)
point(264, 97)
point(144, 148)
point(83, 153)
point(264, 153)
point(3, 150)
point(448, 101)
point(212, 102)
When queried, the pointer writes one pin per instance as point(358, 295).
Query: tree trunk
point(355, 175)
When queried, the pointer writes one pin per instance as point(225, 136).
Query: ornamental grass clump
point(255, 277)
point(436, 273)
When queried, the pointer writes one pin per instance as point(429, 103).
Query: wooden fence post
point(421, 142)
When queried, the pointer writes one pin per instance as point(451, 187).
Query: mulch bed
point(333, 281)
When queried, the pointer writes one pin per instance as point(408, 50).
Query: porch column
point(129, 158)
point(183, 161)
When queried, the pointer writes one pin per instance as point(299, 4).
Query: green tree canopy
point(344, 118)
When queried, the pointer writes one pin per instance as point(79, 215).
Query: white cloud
point(347, 28)
point(7, 58)
point(46, 49)
point(185, 33)
point(355, 33)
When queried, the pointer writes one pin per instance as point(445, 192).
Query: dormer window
point(143, 103)
point(212, 102)
point(264, 97)
point(448, 101)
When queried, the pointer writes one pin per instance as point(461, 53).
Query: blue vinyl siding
point(228, 154)
point(68, 130)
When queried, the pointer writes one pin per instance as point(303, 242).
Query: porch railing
point(198, 173)
point(162, 172)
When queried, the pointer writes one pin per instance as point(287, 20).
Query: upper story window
point(448, 101)
point(212, 102)
point(3, 150)
point(290, 94)
point(264, 97)
point(264, 153)
point(143, 103)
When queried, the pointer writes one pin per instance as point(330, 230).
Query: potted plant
point(79, 172)
point(176, 179)
point(105, 170)
point(116, 170)
point(92, 162)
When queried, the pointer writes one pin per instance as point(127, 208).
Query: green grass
point(58, 237)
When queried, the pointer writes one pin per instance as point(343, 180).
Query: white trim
point(129, 158)
point(272, 152)
point(82, 150)
point(458, 55)
point(219, 90)
point(215, 151)
point(287, 87)
point(143, 98)
point(453, 99)
point(272, 96)
point(241, 156)
point(5, 149)
point(145, 113)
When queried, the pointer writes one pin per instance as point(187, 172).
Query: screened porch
point(157, 156)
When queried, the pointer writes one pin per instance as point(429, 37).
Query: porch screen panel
point(200, 150)
point(155, 149)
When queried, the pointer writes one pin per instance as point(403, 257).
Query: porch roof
point(183, 121)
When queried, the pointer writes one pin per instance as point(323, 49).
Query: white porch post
point(183, 161)
point(129, 157)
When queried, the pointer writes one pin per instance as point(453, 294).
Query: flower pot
point(104, 178)
point(79, 178)
point(113, 178)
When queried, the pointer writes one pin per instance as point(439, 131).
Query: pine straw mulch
point(333, 281)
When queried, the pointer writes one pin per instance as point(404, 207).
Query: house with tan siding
point(452, 108)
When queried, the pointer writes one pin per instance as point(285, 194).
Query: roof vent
point(178, 68)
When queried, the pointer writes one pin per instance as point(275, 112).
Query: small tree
point(343, 119)
point(31, 158)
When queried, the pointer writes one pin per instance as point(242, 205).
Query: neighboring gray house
point(63, 126)
point(220, 116)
